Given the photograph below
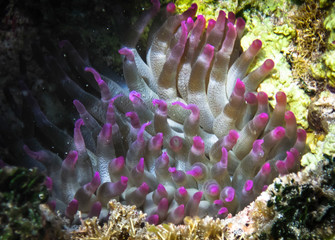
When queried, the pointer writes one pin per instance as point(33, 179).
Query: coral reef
point(199, 140)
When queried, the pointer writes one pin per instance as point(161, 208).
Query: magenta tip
point(79, 123)
point(144, 187)
point(230, 194)
point(195, 172)
point(239, 87)
point(266, 168)
point(231, 17)
point(248, 185)
point(289, 116)
point(198, 143)
point(140, 165)
point(268, 65)
point(240, 23)
point(171, 8)
point(161, 189)
point(172, 169)
point(281, 97)
point(182, 191)
point(251, 98)
point(124, 180)
point(218, 202)
point(214, 190)
point(278, 132)
point(153, 219)
point(233, 136)
point(262, 98)
point(180, 210)
point(48, 183)
point(127, 53)
point(197, 196)
point(209, 51)
point(256, 44)
point(223, 211)
point(301, 135)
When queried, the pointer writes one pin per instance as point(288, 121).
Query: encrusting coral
point(192, 139)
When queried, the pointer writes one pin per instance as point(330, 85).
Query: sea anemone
point(188, 137)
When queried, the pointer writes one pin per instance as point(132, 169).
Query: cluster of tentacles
point(190, 137)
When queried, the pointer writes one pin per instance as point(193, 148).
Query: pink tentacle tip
point(262, 98)
point(210, 24)
point(172, 169)
point(140, 166)
point(144, 188)
point(214, 190)
point(161, 189)
point(223, 211)
point(182, 191)
point(124, 180)
point(195, 172)
point(95, 74)
point(301, 135)
point(251, 98)
point(239, 87)
point(162, 105)
point(281, 97)
point(134, 96)
point(117, 163)
point(71, 159)
point(256, 46)
point(79, 106)
point(197, 196)
point(266, 168)
point(208, 52)
point(96, 181)
point(79, 123)
point(257, 147)
point(231, 17)
point(218, 202)
point(264, 188)
point(165, 157)
point(290, 160)
point(158, 140)
point(153, 219)
point(289, 116)
point(129, 55)
point(176, 143)
point(278, 133)
point(229, 193)
point(198, 143)
point(180, 210)
point(231, 30)
point(171, 8)
point(163, 204)
point(263, 117)
point(233, 136)
point(111, 102)
point(268, 65)
point(106, 131)
point(248, 185)
point(189, 24)
point(281, 168)
point(72, 208)
point(48, 183)
point(240, 23)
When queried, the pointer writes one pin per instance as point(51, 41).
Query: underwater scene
point(185, 119)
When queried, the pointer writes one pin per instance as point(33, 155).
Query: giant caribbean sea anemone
point(189, 136)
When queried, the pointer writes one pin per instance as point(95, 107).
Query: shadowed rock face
point(189, 137)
